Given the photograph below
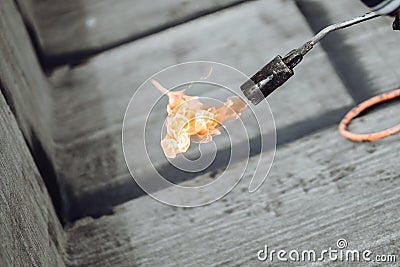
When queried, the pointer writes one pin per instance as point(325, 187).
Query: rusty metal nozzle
point(267, 80)
point(273, 75)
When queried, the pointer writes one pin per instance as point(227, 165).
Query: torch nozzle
point(273, 75)
point(280, 69)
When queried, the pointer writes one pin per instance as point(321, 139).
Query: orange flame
point(189, 120)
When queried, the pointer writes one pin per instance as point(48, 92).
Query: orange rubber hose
point(344, 124)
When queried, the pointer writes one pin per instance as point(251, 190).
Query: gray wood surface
point(321, 188)
point(30, 232)
point(23, 83)
point(92, 98)
point(65, 27)
point(28, 92)
point(366, 56)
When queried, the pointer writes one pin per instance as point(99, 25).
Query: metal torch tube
point(342, 25)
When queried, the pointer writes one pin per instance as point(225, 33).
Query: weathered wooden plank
point(28, 93)
point(30, 232)
point(25, 87)
point(92, 97)
point(365, 55)
point(65, 27)
point(321, 188)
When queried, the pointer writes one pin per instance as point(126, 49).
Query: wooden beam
point(27, 91)
point(320, 189)
point(24, 85)
point(64, 28)
point(30, 232)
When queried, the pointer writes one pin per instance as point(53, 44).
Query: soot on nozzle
point(273, 75)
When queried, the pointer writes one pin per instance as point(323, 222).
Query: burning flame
point(190, 120)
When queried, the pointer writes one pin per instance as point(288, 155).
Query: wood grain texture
point(67, 27)
point(30, 232)
point(28, 92)
point(321, 188)
point(23, 83)
point(92, 97)
point(366, 56)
